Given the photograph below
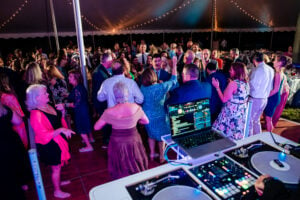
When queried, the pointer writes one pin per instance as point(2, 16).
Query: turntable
point(262, 158)
point(175, 185)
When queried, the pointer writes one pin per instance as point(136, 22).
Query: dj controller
point(231, 176)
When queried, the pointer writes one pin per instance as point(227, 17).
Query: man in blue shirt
point(215, 102)
point(191, 89)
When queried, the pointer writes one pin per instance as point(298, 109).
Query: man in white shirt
point(106, 90)
point(261, 84)
point(142, 56)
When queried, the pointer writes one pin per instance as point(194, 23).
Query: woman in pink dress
point(9, 99)
point(126, 153)
point(51, 132)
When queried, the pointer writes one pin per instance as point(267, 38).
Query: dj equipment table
point(229, 174)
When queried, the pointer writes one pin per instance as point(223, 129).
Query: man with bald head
point(191, 89)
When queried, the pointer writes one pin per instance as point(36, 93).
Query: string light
point(248, 14)
point(215, 20)
point(155, 19)
point(86, 19)
point(15, 14)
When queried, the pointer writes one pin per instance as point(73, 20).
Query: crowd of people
point(131, 85)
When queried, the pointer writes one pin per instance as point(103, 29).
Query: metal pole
point(49, 41)
point(130, 39)
point(212, 24)
point(240, 34)
point(93, 38)
point(54, 26)
point(271, 42)
point(77, 16)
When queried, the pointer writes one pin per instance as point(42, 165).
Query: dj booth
point(227, 174)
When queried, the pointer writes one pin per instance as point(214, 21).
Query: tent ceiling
point(134, 16)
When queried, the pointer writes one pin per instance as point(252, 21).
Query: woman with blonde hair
point(57, 84)
point(33, 74)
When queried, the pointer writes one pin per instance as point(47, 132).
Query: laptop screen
point(189, 117)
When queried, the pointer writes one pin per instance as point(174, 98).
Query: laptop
point(191, 129)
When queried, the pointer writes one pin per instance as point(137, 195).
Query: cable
point(283, 145)
point(171, 162)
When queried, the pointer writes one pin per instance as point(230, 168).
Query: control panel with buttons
point(226, 179)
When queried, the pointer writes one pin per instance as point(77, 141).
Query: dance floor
point(87, 170)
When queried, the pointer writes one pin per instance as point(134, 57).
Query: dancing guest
point(8, 98)
point(191, 89)
point(215, 102)
point(100, 74)
point(79, 99)
point(283, 99)
point(51, 132)
point(34, 74)
point(261, 83)
point(106, 90)
point(15, 167)
point(57, 85)
point(157, 63)
point(126, 153)
point(274, 97)
point(232, 118)
point(154, 98)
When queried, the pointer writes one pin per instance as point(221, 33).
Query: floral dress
point(232, 118)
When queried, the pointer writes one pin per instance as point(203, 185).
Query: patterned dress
point(59, 91)
point(153, 106)
point(232, 118)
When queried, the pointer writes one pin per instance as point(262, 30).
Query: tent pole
point(49, 40)
point(93, 39)
point(271, 41)
point(77, 16)
point(212, 24)
point(240, 35)
point(54, 26)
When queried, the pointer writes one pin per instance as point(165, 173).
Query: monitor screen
point(189, 117)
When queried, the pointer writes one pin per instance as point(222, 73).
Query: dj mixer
point(230, 174)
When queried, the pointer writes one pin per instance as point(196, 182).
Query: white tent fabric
point(32, 18)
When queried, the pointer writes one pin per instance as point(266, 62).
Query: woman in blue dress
point(79, 99)
point(274, 97)
point(154, 99)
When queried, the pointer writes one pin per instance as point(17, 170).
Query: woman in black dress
point(50, 131)
point(15, 167)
